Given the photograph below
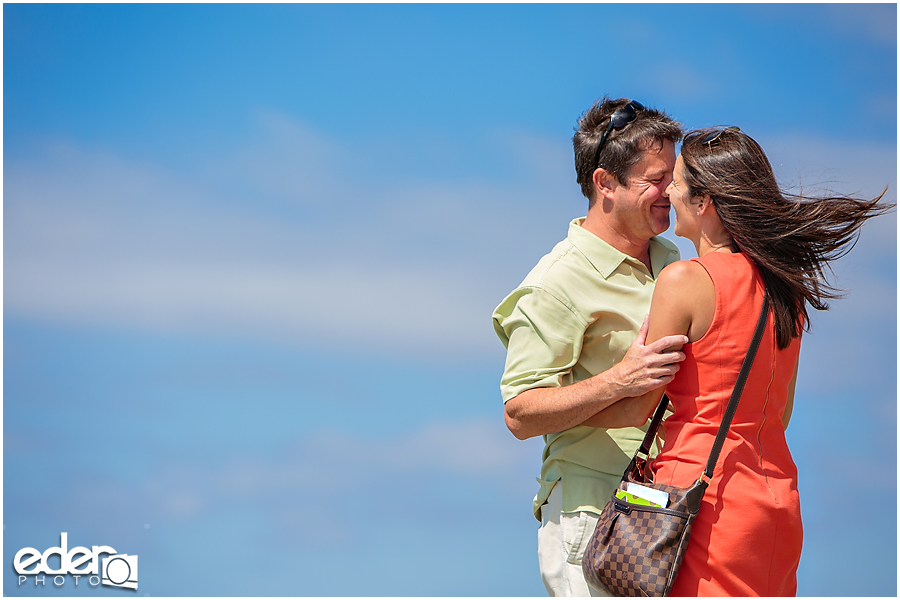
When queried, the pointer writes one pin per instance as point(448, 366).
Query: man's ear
point(605, 182)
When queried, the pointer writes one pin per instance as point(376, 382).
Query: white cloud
point(842, 166)
point(876, 21)
point(96, 239)
point(331, 463)
point(684, 81)
point(289, 161)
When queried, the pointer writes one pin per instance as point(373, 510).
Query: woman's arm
point(684, 302)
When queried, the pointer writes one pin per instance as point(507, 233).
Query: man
point(575, 331)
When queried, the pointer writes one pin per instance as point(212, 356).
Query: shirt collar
point(607, 259)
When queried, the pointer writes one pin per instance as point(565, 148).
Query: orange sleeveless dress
point(746, 540)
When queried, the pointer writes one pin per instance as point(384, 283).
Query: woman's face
point(687, 222)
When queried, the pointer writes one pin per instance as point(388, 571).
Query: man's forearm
point(628, 412)
point(540, 411)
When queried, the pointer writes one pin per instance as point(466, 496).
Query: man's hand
point(539, 411)
point(645, 368)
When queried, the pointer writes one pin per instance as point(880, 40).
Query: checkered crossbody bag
point(636, 548)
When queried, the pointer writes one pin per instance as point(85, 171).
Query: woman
point(752, 241)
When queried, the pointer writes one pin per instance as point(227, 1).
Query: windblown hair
point(792, 239)
point(623, 147)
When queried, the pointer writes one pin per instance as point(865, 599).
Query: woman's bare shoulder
point(682, 273)
point(687, 297)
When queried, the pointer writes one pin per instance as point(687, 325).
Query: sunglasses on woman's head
point(713, 138)
point(618, 120)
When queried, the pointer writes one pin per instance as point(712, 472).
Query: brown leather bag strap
point(654, 425)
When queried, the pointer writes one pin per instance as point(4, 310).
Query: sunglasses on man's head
point(618, 120)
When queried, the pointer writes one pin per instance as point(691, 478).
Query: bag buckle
point(622, 508)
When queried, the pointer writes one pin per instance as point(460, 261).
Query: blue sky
point(251, 254)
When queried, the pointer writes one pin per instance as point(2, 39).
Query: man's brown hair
point(624, 147)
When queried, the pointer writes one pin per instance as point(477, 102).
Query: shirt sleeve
point(543, 336)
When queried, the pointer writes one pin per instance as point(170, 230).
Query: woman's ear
point(704, 205)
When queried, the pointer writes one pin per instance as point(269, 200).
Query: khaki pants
point(562, 539)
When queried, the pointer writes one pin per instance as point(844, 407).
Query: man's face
point(641, 209)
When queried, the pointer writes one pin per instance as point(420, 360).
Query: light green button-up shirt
point(574, 316)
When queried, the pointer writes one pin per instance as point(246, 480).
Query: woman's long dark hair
point(792, 239)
